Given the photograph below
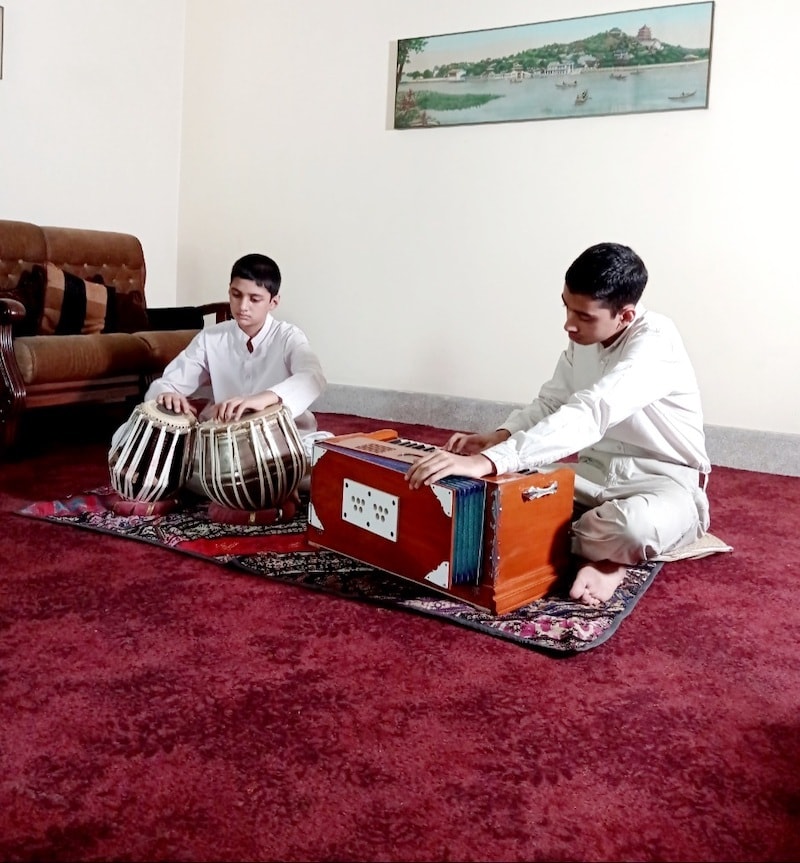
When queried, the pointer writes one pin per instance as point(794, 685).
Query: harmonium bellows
point(497, 543)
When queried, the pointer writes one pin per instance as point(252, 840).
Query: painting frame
point(594, 65)
point(1, 43)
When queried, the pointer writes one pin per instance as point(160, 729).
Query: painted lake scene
point(655, 59)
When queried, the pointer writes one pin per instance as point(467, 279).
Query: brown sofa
point(74, 322)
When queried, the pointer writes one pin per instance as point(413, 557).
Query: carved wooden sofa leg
point(12, 388)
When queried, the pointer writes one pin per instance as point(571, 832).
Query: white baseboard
point(744, 449)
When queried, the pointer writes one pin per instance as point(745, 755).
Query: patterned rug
point(281, 552)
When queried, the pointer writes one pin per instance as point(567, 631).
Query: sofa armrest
point(186, 317)
point(220, 310)
point(175, 318)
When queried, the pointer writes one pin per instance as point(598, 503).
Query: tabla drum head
point(247, 418)
point(163, 417)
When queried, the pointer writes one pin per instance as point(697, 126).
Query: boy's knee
point(611, 532)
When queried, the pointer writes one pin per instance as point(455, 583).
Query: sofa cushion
point(126, 312)
point(29, 291)
point(72, 305)
point(164, 345)
point(55, 359)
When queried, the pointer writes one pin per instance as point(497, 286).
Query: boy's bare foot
point(596, 582)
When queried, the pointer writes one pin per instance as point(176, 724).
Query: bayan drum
point(250, 465)
point(151, 455)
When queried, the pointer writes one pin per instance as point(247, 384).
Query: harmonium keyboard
point(497, 543)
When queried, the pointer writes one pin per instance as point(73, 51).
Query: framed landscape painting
point(654, 59)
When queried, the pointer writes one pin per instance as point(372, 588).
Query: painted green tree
point(406, 47)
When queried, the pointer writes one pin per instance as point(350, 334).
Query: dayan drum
point(152, 455)
point(253, 464)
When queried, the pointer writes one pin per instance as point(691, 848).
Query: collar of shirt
point(259, 336)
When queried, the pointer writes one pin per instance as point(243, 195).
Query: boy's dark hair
point(609, 272)
point(259, 269)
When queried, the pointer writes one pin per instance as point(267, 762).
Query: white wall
point(90, 121)
point(422, 260)
point(432, 260)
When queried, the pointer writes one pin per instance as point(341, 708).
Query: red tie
point(250, 345)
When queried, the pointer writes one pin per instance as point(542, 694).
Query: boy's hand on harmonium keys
point(440, 464)
point(468, 443)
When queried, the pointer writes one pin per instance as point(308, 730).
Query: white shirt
point(217, 359)
point(637, 397)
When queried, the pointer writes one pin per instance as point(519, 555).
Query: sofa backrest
point(117, 258)
point(21, 246)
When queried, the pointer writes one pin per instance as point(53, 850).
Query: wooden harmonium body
point(497, 543)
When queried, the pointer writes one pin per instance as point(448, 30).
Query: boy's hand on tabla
point(232, 410)
point(176, 403)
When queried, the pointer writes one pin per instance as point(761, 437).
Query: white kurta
point(217, 361)
point(632, 412)
point(637, 397)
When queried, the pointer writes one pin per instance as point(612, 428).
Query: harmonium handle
point(535, 492)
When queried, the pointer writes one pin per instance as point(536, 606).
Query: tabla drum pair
point(246, 467)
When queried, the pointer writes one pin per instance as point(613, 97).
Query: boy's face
point(589, 321)
point(250, 304)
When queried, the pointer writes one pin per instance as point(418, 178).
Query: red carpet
point(160, 707)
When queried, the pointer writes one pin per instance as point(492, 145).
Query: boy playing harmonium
point(624, 397)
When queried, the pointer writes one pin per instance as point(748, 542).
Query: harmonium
point(497, 543)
